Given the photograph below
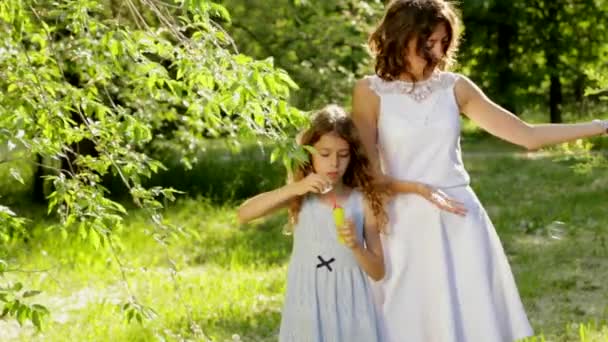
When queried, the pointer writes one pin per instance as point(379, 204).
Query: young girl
point(328, 294)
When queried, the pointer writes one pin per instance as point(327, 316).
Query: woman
point(447, 277)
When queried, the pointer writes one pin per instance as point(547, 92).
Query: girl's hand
point(312, 183)
point(443, 201)
point(348, 234)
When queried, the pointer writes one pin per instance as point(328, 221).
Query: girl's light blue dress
point(328, 295)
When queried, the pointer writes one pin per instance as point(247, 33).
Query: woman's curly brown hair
point(358, 174)
point(405, 20)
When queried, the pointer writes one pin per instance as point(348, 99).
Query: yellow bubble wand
point(338, 214)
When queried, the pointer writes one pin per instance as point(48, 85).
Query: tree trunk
point(579, 88)
point(38, 188)
point(504, 36)
point(84, 147)
point(552, 52)
point(555, 99)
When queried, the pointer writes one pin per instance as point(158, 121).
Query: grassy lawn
point(230, 279)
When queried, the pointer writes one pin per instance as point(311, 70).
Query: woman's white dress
point(448, 279)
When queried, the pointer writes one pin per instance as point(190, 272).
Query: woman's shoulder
point(458, 79)
point(370, 84)
point(450, 76)
point(366, 100)
point(367, 85)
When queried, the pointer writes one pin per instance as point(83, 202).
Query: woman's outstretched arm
point(503, 124)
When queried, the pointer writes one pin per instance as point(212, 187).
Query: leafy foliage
point(322, 44)
point(93, 85)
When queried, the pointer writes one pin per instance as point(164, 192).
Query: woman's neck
point(417, 72)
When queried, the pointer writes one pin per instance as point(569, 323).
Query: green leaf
point(287, 163)
point(40, 308)
point(82, 231)
point(6, 211)
point(130, 314)
point(242, 59)
point(23, 313)
point(310, 149)
point(36, 320)
point(31, 293)
point(94, 238)
point(275, 154)
point(16, 175)
point(14, 307)
point(220, 11)
point(259, 118)
point(285, 78)
point(64, 233)
point(114, 47)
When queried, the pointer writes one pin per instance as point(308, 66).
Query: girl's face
point(434, 46)
point(332, 157)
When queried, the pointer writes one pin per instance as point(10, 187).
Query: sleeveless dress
point(448, 279)
point(328, 297)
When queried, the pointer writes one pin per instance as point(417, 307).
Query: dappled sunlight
point(232, 277)
point(109, 108)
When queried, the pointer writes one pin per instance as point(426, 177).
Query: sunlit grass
point(230, 280)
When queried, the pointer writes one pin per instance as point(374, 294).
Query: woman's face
point(434, 47)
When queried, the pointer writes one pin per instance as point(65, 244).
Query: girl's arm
point(271, 201)
point(370, 257)
point(365, 117)
point(503, 124)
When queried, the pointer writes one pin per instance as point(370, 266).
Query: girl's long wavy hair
point(405, 20)
point(358, 174)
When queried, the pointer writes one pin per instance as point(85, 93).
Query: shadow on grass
point(260, 245)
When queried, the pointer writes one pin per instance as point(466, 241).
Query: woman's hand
point(389, 187)
point(442, 200)
point(312, 183)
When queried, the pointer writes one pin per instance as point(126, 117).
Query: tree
point(545, 45)
point(79, 72)
point(322, 44)
point(488, 48)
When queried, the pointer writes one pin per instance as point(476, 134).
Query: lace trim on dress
point(419, 91)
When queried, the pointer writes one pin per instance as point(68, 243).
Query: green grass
point(554, 229)
point(231, 279)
